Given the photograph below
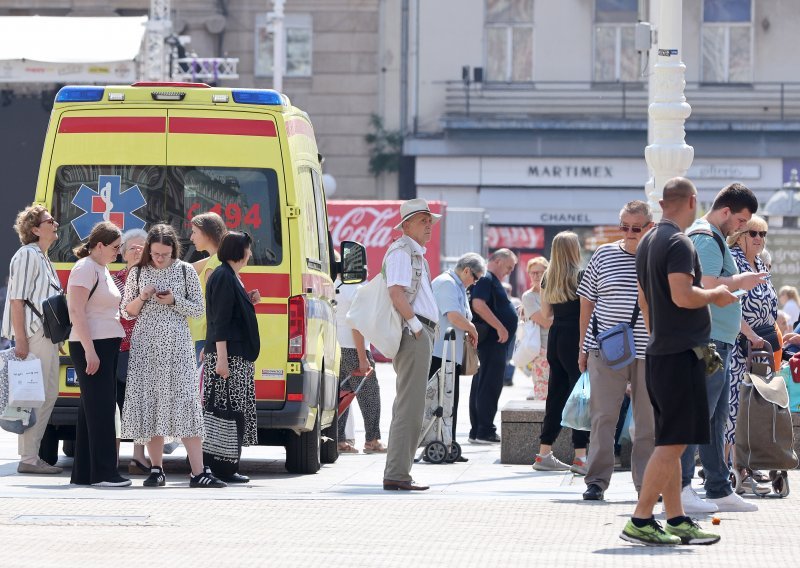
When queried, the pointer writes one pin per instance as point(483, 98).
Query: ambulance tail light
point(257, 97)
point(80, 95)
point(297, 328)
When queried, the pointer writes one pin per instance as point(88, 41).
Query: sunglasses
point(49, 221)
point(754, 234)
point(474, 276)
point(634, 230)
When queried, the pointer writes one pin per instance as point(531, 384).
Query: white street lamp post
point(278, 55)
point(669, 155)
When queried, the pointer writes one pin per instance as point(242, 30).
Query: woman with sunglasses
point(162, 396)
point(759, 313)
point(94, 342)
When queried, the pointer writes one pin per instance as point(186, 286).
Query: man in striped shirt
point(33, 279)
point(608, 294)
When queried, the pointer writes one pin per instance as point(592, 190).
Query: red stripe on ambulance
point(113, 124)
point(230, 126)
point(270, 390)
point(268, 285)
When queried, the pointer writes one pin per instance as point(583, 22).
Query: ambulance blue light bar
point(257, 96)
point(80, 95)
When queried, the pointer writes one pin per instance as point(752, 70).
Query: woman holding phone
point(163, 391)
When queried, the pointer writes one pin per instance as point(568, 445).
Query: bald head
point(679, 201)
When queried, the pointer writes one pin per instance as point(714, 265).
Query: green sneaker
point(690, 533)
point(650, 535)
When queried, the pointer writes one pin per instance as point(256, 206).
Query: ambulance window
point(245, 198)
point(305, 197)
point(322, 222)
point(130, 196)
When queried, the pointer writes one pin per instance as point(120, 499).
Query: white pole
point(668, 155)
point(278, 54)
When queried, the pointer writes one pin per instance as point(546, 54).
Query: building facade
point(536, 111)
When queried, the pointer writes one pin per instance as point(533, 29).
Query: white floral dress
point(162, 396)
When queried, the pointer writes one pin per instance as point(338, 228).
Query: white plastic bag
point(374, 315)
point(528, 344)
point(25, 383)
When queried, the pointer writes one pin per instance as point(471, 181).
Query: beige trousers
point(47, 353)
point(412, 363)
point(607, 392)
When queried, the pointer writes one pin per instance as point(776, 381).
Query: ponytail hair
point(104, 232)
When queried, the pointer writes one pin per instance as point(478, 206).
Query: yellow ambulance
point(164, 152)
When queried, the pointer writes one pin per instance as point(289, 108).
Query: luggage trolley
point(758, 445)
point(436, 436)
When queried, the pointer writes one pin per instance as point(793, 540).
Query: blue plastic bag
point(625, 433)
point(576, 411)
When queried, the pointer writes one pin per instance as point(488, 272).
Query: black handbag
point(55, 314)
point(222, 444)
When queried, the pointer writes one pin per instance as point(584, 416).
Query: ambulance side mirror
point(354, 262)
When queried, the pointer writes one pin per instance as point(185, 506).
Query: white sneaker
point(733, 504)
point(692, 503)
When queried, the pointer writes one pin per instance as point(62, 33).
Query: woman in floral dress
point(163, 390)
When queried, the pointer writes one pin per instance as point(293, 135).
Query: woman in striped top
point(32, 279)
point(609, 296)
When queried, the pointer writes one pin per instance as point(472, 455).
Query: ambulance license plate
point(72, 379)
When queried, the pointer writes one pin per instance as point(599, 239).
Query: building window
point(509, 40)
point(727, 41)
point(297, 39)
point(615, 56)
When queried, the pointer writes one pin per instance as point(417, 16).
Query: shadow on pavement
point(636, 550)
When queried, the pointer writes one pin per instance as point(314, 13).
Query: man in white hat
point(409, 281)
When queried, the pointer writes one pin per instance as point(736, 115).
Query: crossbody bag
point(617, 346)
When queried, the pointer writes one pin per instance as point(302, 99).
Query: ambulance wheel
point(68, 447)
point(303, 450)
point(455, 452)
point(48, 449)
point(736, 481)
point(436, 452)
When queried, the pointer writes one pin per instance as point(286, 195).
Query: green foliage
point(386, 147)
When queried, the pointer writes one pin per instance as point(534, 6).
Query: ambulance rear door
point(230, 162)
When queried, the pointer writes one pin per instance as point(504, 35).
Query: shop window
point(297, 45)
point(615, 56)
point(509, 40)
point(727, 41)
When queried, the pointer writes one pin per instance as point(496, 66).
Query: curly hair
point(27, 221)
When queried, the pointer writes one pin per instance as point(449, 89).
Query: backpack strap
point(720, 243)
point(185, 281)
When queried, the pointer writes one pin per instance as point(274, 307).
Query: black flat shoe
point(593, 493)
point(236, 478)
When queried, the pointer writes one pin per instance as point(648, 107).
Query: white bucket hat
point(411, 208)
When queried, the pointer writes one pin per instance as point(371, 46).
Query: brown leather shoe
point(391, 485)
point(40, 467)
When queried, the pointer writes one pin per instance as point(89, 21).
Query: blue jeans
point(508, 374)
point(712, 455)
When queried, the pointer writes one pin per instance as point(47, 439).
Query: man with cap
point(409, 281)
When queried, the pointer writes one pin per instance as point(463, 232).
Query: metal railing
point(611, 101)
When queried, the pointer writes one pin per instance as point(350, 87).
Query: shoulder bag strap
point(185, 282)
point(635, 316)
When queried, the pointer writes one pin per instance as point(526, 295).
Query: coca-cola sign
point(372, 223)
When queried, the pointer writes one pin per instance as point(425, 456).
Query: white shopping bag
point(25, 383)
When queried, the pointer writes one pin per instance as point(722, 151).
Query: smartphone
point(739, 293)
point(162, 293)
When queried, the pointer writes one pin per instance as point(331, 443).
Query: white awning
point(37, 49)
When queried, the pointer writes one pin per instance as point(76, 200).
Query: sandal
point(135, 467)
point(347, 449)
point(375, 448)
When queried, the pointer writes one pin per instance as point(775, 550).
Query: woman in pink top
point(93, 301)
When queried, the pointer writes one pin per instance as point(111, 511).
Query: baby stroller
point(764, 435)
point(437, 426)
